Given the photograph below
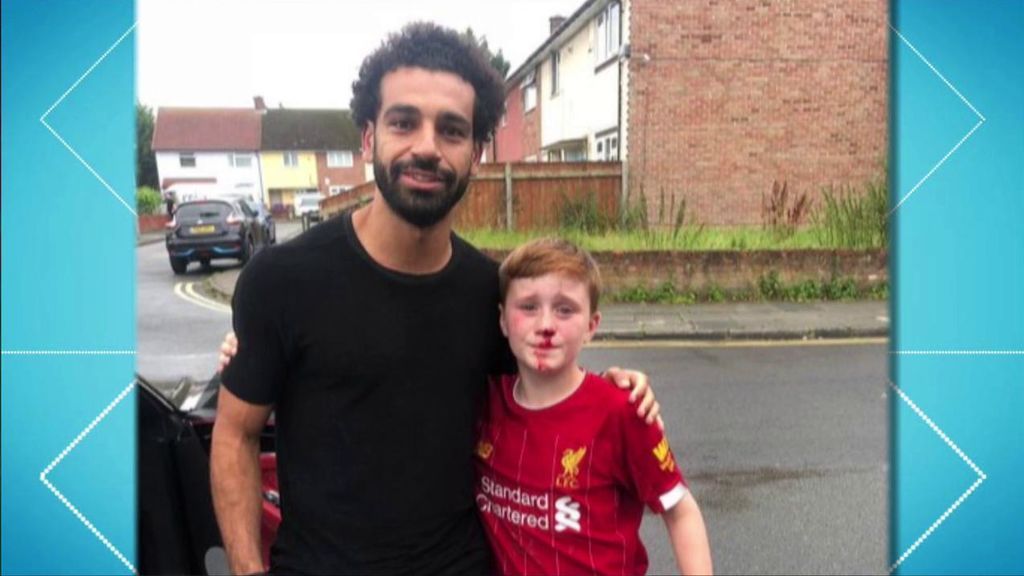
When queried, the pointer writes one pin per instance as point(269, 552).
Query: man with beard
point(371, 337)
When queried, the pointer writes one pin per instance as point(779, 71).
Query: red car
point(177, 529)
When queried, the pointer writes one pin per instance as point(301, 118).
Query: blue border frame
point(68, 288)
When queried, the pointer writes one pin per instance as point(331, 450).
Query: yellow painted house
point(288, 172)
point(290, 142)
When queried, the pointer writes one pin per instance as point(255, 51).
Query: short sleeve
point(257, 372)
point(651, 467)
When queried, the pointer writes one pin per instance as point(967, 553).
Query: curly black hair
point(427, 45)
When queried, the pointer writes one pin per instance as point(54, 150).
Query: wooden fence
point(519, 196)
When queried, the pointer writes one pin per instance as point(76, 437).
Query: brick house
point(712, 101)
point(310, 151)
point(216, 147)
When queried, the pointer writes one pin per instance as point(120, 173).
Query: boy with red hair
point(565, 467)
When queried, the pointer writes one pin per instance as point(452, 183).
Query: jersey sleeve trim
point(673, 497)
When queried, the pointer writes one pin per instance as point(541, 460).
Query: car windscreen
point(204, 211)
point(313, 201)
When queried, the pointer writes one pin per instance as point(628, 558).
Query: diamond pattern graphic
point(981, 120)
point(43, 476)
point(70, 149)
point(64, 453)
point(981, 476)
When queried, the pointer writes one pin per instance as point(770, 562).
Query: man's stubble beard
point(421, 209)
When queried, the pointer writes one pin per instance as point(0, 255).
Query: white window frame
point(290, 159)
point(530, 92)
point(187, 159)
point(608, 33)
point(607, 146)
point(340, 159)
point(336, 189)
point(235, 157)
point(556, 58)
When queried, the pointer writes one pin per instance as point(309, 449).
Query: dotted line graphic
point(956, 449)
point(68, 352)
point(67, 450)
point(42, 120)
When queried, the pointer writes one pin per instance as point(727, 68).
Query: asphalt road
point(178, 331)
point(785, 449)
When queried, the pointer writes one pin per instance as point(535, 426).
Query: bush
point(147, 200)
point(852, 219)
point(583, 215)
point(778, 215)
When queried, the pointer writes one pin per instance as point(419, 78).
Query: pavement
point(150, 238)
point(726, 321)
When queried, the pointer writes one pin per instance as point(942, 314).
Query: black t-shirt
point(376, 377)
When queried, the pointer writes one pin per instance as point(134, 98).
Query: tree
point(145, 159)
point(497, 60)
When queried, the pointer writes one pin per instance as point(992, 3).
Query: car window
point(246, 209)
point(204, 210)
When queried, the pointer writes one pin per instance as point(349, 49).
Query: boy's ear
point(501, 320)
point(368, 142)
point(595, 321)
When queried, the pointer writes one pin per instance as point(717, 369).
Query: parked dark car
point(265, 218)
point(205, 230)
point(177, 529)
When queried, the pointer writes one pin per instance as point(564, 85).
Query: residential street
point(178, 331)
point(784, 447)
point(784, 443)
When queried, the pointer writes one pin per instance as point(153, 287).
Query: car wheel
point(179, 265)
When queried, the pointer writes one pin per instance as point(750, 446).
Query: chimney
point(555, 22)
point(259, 103)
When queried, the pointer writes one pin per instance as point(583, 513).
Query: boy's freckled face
point(547, 321)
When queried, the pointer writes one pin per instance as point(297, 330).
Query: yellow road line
point(736, 343)
point(186, 291)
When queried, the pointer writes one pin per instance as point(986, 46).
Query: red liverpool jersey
point(562, 490)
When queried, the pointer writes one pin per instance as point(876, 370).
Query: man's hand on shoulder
point(228, 350)
point(636, 382)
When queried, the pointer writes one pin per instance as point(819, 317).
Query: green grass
point(768, 288)
point(639, 240)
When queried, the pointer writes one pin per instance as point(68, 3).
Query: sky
point(302, 53)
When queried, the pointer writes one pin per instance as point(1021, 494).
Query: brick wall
point(509, 139)
point(531, 127)
point(735, 95)
point(353, 176)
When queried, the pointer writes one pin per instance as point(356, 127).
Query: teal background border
point(958, 270)
point(68, 285)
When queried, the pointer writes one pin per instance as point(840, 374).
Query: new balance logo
point(567, 514)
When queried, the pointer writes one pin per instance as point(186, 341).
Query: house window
point(608, 33)
point(241, 160)
point(291, 159)
point(339, 159)
point(574, 155)
point(335, 190)
point(608, 147)
point(187, 159)
point(530, 92)
point(555, 58)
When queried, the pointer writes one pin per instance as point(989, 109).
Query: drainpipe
point(624, 172)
